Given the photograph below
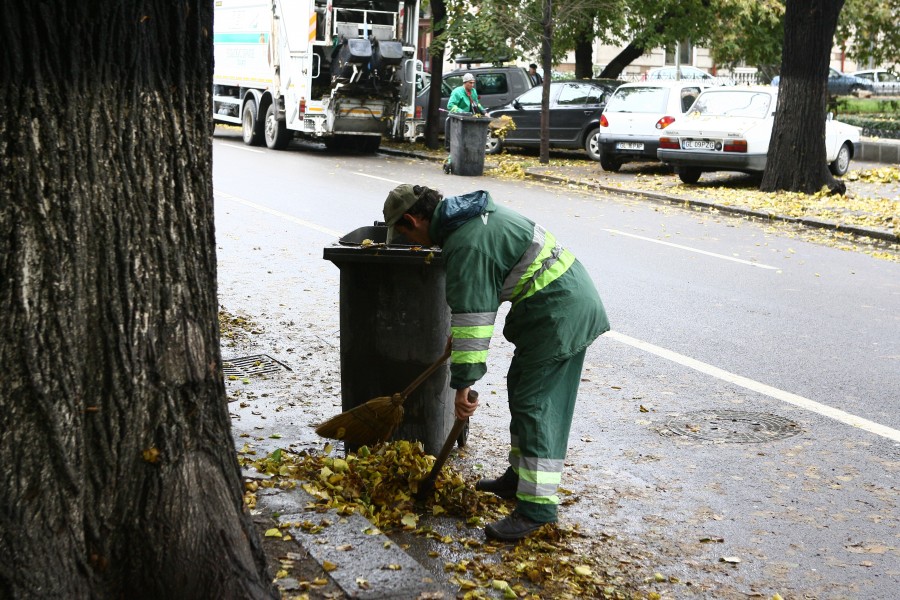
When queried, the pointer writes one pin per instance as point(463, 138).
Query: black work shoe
point(504, 486)
point(512, 528)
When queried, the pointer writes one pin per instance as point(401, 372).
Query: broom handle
point(434, 367)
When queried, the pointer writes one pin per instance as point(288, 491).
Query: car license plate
point(630, 146)
point(698, 145)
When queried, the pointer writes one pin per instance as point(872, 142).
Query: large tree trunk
point(799, 131)
point(432, 119)
point(584, 56)
point(119, 475)
point(628, 55)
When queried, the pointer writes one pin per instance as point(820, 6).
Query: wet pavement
point(627, 515)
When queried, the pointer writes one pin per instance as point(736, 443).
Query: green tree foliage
point(870, 31)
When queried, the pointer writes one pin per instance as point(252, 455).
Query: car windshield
point(733, 104)
point(639, 100)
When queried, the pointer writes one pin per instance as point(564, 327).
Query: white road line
point(767, 390)
point(376, 177)
point(689, 249)
point(279, 214)
point(244, 148)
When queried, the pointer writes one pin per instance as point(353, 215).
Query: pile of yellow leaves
point(380, 483)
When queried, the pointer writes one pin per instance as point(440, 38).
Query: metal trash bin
point(394, 322)
point(468, 135)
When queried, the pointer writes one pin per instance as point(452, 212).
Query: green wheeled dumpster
point(394, 323)
point(468, 135)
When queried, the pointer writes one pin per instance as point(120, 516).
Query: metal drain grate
point(248, 366)
point(733, 426)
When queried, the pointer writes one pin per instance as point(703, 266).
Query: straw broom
point(376, 420)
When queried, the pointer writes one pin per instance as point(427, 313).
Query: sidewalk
point(870, 210)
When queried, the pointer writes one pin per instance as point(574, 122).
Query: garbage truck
point(338, 71)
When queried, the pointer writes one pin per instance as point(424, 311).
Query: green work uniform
point(493, 255)
point(460, 102)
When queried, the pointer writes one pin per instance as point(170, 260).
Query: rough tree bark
point(584, 56)
point(119, 475)
point(799, 130)
point(432, 120)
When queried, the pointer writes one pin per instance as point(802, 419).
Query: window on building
point(685, 50)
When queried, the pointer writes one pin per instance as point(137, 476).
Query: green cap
point(398, 202)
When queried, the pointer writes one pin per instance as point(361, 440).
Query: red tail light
point(669, 143)
point(665, 122)
point(302, 105)
point(603, 121)
point(735, 146)
point(418, 112)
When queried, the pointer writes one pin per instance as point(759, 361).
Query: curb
point(877, 234)
point(669, 199)
point(367, 563)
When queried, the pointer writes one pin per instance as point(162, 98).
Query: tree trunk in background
point(632, 52)
point(119, 471)
point(584, 56)
point(799, 130)
point(433, 128)
point(546, 65)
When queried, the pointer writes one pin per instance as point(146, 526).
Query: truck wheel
point(841, 164)
point(251, 126)
point(369, 144)
point(592, 144)
point(277, 134)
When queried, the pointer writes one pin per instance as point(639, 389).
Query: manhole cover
point(733, 426)
point(247, 366)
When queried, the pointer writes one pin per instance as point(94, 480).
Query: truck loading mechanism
point(339, 71)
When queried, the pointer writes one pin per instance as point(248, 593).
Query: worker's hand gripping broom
point(376, 420)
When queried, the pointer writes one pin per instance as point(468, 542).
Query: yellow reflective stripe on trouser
point(541, 264)
point(539, 478)
point(471, 334)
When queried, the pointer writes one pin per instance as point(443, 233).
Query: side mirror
point(517, 105)
point(829, 116)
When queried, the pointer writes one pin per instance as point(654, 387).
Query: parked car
point(575, 108)
point(885, 82)
point(637, 113)
point(840, 84)
point(687, 72)
point(496, 86)
point(728, 129)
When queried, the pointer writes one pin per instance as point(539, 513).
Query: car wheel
point(592, 144)
point(277, 133)
point(493, 145)
point(251, 126)
point(609, 164)
point(841, 164)
point(689, 175)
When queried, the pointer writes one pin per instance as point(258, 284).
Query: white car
point(728, 129)
point(637, 113)
point(687, 72)
point(886, 83)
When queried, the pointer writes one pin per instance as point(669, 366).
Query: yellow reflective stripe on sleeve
point(468, 358)
point(478, 331)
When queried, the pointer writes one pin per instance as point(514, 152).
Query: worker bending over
point(493, 255)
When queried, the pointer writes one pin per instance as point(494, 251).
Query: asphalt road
point(745, 405)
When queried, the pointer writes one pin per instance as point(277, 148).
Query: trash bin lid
point(366, 244)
